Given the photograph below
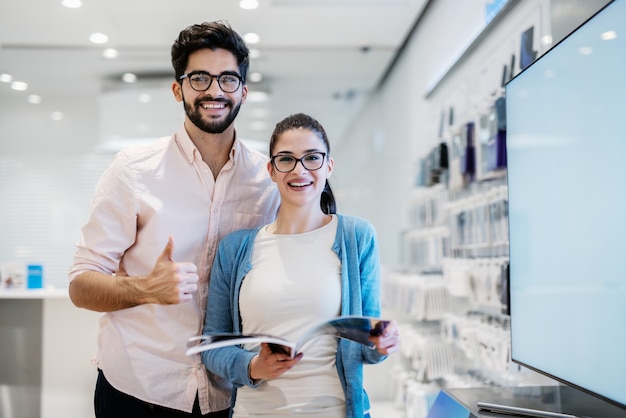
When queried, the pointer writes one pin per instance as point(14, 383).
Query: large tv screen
point(566, 153)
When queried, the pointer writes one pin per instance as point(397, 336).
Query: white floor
point(385, 409)
point(379, 383)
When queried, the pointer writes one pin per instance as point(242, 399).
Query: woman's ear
point(329, 167)
point(270, 170)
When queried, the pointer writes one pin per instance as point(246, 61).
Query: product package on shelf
point(12, 276)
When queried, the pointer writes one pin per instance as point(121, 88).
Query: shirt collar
point(186, 145)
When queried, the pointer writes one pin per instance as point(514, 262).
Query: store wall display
point(418, 297)
point(468, 152)
point(527, 51)
point(492, 138)
point(567, 202)
point(478, 221)
point(469, 80)
point(434, 167)
point(457, 243)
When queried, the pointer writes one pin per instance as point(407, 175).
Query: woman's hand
point(389, 339)
point(268, 365)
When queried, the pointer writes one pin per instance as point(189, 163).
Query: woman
point(309, 266)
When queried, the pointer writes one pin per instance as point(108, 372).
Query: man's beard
point(211, 127)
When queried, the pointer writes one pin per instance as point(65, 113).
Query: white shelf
point(47, 293)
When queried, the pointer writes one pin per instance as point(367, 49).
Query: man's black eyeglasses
point(201, 81)
point(286, 163)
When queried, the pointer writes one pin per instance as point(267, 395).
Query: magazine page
point(353, 328)
point(209, 342)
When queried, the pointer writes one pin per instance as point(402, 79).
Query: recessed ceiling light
point(255, 77)
point(19, 85)
point(249, 4)
point(72, 4)
point(34, 99)
point(129, 78)
point(57, 116)
point(6, 78)
point(110, 53)
point(251, 38)
point(99, 38)
point(144, 98)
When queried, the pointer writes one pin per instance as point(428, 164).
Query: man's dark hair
point(212, 35)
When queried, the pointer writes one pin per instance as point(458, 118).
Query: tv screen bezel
point(531, 68)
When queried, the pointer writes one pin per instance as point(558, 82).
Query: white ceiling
point(317, 56)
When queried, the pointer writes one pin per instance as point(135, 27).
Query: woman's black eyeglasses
point(286, 163)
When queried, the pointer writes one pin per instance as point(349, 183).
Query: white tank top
point(295, 283)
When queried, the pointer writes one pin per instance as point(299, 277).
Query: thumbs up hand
point(170, 282)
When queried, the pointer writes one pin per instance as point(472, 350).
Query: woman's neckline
point(273, 229)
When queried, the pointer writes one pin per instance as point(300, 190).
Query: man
point(157, 216)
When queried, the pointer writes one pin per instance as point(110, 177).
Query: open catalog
point(353, 328)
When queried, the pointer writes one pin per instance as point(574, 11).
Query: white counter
point(48, 293)
point(50, 346)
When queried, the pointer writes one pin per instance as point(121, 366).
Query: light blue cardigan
point(357, 248)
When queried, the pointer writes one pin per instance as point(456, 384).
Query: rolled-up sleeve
point(112, 224)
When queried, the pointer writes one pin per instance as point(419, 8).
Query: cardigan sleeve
point(370, 284)
point(228, 362)
point(368, 268)
point(363, 270)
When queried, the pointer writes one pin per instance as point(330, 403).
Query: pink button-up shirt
point(147, 194)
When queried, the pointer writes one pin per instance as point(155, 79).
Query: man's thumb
point(166, 255)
